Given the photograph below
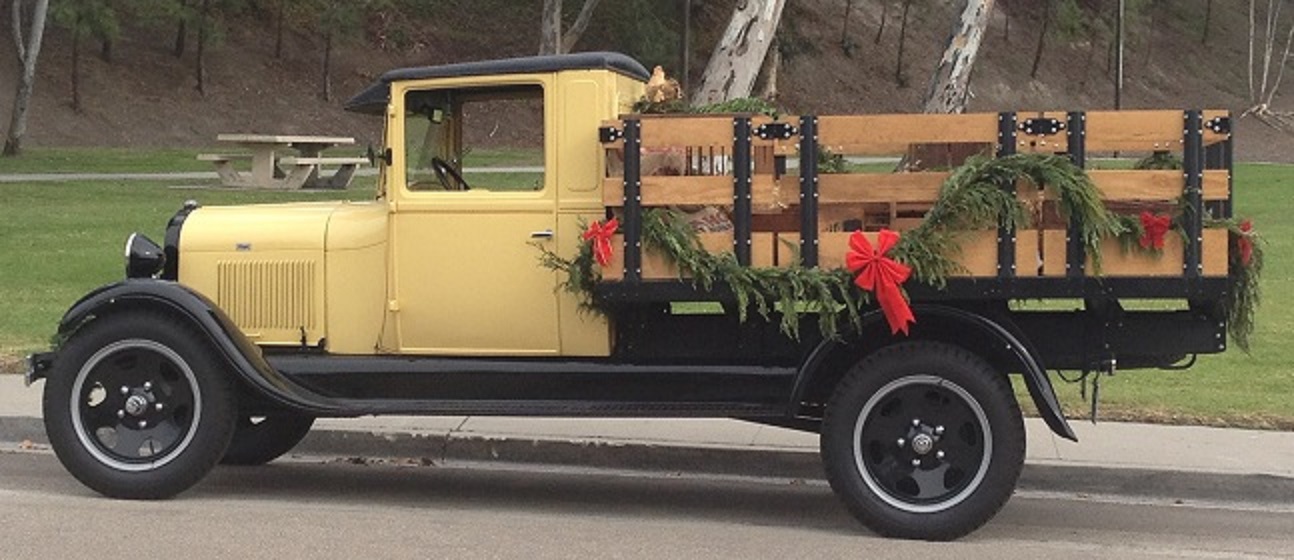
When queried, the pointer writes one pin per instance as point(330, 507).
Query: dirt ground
point(146, 96)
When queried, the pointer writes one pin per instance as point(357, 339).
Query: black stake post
point(1006, 236)
point(1193, 173)
point(1075, 249)
point(633, 201)
point(741, 199)
point(809, 191)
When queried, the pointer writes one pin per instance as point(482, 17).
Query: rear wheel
point(923, 440)
point(261, 439)
point(138, 406)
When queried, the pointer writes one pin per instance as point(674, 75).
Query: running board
point(354, 386)
point(572, 408)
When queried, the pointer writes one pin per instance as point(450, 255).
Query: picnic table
point(272, 170)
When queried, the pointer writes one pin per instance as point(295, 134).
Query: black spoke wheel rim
point(135, 404)
point(922, 444)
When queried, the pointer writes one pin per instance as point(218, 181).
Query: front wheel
point(138, 406)
point(923, 440)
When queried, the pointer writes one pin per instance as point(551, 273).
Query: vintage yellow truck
point(226, 341)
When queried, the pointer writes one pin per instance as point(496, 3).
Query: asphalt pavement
point(1184, 463)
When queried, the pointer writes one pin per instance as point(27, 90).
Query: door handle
point(542, 234)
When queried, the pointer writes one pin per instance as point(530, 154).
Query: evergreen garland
point(973, 198)
point(1245, 293)
point(791, 291)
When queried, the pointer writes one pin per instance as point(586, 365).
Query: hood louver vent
point(269, 295)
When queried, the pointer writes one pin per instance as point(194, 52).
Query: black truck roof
point(374, 98)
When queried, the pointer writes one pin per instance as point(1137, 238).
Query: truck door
point(467, 279)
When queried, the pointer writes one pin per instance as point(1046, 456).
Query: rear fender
point(244, 357)
point(1012, 344)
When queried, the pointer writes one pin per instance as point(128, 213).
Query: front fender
point(1035, 375)
point(243, 357)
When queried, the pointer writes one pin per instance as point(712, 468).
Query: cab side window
point(475, 139)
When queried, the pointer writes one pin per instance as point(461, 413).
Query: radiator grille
point(268, 294)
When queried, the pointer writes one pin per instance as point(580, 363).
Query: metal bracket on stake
point(609, 134)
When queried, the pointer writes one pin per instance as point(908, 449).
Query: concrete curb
point(1185, 486)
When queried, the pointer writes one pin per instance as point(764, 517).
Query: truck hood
point(283, 227)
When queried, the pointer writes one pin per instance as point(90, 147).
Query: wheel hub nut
point(922, 444)
point(136, 405)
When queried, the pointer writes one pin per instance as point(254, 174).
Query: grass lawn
point(60, 240)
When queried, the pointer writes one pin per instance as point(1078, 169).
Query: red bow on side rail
point(599, 234)
point(1155, 227)
point(1244, 244)
point(881, 275)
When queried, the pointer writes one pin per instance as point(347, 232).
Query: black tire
point(261, 439)
point(138, 406)
point(923, 440)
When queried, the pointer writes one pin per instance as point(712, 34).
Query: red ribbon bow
point(1155, 227)
point(599, 234)
point(881, 275)
point(1245, 245)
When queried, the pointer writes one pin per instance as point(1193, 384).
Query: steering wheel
point(448, 177)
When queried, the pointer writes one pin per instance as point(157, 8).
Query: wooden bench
point(306, 170)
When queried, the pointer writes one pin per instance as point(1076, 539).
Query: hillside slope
point(146, 97)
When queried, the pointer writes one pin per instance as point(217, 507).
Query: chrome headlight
point(144, 258)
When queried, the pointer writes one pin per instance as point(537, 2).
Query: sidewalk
point(1180, 462)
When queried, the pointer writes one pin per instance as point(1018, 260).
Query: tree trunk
point(550, 27)
point(201, 65)
point(105, 49)
point(76, 67)
point(771, 64)
point(950, 83)
point(278, 29)
point(327, 68)
point(885, 14)
point(685, 46)
point(573, 35)
point(903, 39)
point(844, 27)
point(1042, 40)
point(1006, 23)
point(1208, 15)
point(181, 30)
point(28, 52)
point(736, 60)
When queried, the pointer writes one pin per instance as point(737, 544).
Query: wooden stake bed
point(689, 162)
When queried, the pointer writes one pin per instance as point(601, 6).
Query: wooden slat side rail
point(672, 190)
point(978, 250)
point(1143, 131)
point(1155, 184)
point(687, 131)
point(893, 134)
point(1116, 262)
point(657, 267)
point(836, 188)
point(1134, 131)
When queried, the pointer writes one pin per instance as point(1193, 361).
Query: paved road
point(338, 509)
